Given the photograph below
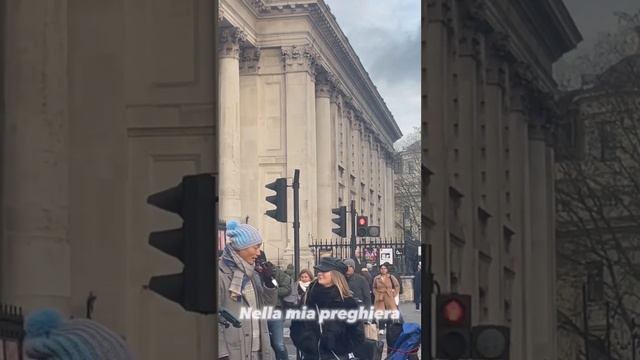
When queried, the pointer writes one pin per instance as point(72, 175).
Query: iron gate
point(375, 251)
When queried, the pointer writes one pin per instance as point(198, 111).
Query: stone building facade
point(295, 96)
point(488, 159)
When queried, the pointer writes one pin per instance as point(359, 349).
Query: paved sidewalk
point(408, 312)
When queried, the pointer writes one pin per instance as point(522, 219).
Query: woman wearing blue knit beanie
point(242, 284)
point(49, 336)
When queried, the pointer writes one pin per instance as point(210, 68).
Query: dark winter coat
point(284, 285)
point(337, 335)
point(360, 288)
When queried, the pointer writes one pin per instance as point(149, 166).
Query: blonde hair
point(341, 283)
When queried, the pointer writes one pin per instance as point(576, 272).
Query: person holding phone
point(244, 282)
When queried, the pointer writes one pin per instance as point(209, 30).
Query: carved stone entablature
point(518, 99)
point(336, 96)
point(471, 43)
point(499, 44)
point(260, 6)
point(441, 11)
point(300, 58)
point(496, 73)
point(249, 60)
point(230, 40)
point(474, 16)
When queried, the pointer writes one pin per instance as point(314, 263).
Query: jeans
point(276, 328)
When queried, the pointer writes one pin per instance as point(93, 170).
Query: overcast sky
point(594, 18)
point(386, 37)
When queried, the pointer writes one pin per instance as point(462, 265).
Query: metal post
point(608, 330)
point(353, 229)
point(633, 339)
point(426, 309)
point(296, 221)
point(585, 319)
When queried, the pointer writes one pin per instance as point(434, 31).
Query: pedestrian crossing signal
point(193, 244)
point(341, 221)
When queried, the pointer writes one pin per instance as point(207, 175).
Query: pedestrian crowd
point(246, 279)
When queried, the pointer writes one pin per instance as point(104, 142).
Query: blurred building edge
point(598, 203)
point(106, 103)
point(488, 125)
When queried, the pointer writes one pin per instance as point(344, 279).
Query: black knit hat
point(331, 263)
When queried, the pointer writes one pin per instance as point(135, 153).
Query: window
point(606, 141)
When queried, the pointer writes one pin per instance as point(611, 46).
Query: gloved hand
point(266, 274)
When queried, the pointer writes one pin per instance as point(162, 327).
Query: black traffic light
point(490, 342)
point(279, 200)
point(193, 244)
point(453, 326)
point(362, 226)
point(341, 221)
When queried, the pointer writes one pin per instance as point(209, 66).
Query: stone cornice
point(344, 62)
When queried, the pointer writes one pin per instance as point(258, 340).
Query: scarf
point(323, 297)
point(242, 272)
point(304, 285)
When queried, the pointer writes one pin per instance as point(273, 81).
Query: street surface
point(408, 311)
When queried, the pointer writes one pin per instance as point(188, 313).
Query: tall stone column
point(300, 68)
point(36, 251)
point(229, 124)
point(541, 285)
point(325, 156)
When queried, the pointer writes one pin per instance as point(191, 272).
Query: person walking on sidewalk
point(385, 288)
point(244, 284)
point(276, 326)
point(417, 287)
point(358, 284)
point(329, 339)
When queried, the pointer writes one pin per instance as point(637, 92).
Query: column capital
point(249, 60)
point(298, 58)
point(229, 42)
point(325, 83)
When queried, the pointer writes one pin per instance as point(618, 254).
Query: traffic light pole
point(296, 221)
point(427, 311)
point(353, 229)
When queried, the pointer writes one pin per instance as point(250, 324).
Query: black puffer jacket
point(338, 336)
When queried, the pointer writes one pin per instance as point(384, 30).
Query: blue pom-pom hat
point(242, 236)
point(49, 336)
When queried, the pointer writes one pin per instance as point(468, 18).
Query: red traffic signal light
point(453, 312)
point(453, 326)
point(362, 223)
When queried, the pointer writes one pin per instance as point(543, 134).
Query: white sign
point(386, 255)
